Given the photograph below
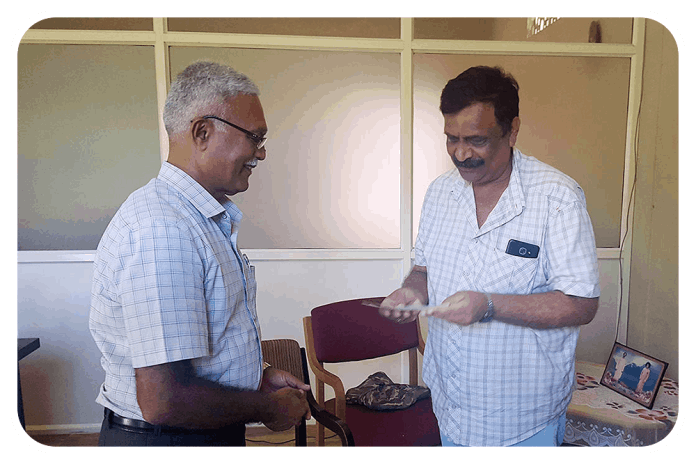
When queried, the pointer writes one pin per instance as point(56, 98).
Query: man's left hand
point(462, 308)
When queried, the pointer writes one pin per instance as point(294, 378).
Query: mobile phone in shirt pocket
point(522, 249)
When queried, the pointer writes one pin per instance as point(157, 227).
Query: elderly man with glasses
point(173, 300)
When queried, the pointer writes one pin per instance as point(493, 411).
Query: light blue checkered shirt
point(495, 384)
point(170, 284)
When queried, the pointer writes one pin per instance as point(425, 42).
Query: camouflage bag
point(380, 393)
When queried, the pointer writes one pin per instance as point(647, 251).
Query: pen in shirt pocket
point(251, 270)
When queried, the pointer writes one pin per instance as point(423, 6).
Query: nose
point(462, 151)
point(261, 153)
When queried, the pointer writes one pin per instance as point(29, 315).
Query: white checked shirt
point(496, 384)
point(170, 284)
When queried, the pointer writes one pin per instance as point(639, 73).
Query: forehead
point(476, 118)
point(245, 110)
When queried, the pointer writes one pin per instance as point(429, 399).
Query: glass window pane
point(573, 113)
point(565, 30)
point(376, 28)
point(331, 176)
point(88, 137)
point(96, 24)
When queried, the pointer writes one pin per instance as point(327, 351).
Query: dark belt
point(230, 435)
point(115, 419)
point(136, 425)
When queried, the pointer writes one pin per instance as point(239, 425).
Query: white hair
point(199, 86)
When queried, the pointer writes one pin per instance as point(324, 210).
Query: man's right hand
point(288, 407)
point(404, 296)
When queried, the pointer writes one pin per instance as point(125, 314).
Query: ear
point(514, 131)
point(200, 131)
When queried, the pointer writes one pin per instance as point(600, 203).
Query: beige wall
point(87, 116)
point(331, 174)
point(653, 323)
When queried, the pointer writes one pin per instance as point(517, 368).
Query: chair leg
point(320, 434)
point(301, 434)
point(320, 427)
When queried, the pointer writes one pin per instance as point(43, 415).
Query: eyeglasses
point(258, 140)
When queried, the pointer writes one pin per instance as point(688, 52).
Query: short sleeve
point(424, 226)
point(570, 263)
point(162, 292)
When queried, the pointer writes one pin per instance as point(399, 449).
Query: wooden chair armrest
point(330, 421)
point(322, 374)
point(322, 416)
point(329, 379)
point(421, 340)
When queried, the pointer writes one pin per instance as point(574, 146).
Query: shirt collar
point(515, 184)
point(194, 192)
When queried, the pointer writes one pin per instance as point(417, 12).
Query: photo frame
point(633, 374)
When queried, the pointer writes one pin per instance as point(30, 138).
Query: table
point(25, 346)
point(599, 416)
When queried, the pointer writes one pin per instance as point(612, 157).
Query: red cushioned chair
point(350, 331)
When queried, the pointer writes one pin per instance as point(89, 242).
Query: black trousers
point(118, 435)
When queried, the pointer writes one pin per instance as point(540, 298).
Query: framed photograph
point(633, 374)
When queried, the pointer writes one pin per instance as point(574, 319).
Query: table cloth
point(599, 416)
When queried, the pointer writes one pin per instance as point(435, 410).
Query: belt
point(145, 427)
point(115, 419)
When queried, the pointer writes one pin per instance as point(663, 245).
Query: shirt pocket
point(507, 274)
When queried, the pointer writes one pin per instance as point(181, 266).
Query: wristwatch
point(490, 311)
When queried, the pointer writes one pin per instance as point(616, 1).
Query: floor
point(256, 436)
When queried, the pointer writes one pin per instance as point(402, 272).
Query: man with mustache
point(173, 300)
point(506, 262)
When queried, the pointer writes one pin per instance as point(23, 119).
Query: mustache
point(469, 163)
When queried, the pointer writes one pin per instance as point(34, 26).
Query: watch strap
point(490, 310)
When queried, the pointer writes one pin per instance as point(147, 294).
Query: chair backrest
point(350, 331)
point(284, 354)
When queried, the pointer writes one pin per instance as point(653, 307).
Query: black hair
point(485, 85)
